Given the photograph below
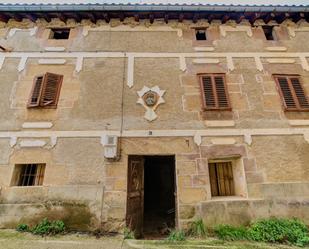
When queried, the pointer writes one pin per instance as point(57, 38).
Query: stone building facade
point(164, 119)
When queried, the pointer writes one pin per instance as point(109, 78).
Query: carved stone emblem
point(150, 98)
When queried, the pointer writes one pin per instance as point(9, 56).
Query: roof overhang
point(152, 11)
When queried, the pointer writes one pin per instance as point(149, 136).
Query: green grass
point(12, 235)
point(176, 235)
point(208, 243)
point(197, 229)
point(273, 230)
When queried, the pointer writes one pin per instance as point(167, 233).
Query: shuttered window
point(221, 179)
point(45, 91)
point(214, 92)
point(292, 93)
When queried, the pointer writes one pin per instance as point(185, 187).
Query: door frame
point(175, 184)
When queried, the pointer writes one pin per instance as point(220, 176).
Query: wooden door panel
point(135, 196)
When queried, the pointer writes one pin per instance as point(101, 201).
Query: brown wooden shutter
point(51, 90)
point(221, 179)
point(213, 179)
point(292, 93)
point(34, 99)
point(299, 92)
point(222, 100)
point(215, 96)
point(208, 91)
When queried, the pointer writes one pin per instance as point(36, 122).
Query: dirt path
point(10, 239)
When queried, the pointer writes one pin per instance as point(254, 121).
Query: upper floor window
point(45, 91)
point(292, 93)
point(214, 92)
point(59, 34)
point(269, 32)
point(28, 174)
point(200, 34)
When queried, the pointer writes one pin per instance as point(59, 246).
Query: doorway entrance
point(151, 195)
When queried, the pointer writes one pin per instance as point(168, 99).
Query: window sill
point(228, 198)
point(20, 187)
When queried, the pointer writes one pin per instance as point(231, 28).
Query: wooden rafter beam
point(91, 17)
point(15, 16)
point(269, 17)
point(106, 17)
point(31, 16)
point(210, 18)
point(76, 17)
point(225, 18)
point(136, 17)
point(4, 17)
point(195, 18)
point(240, 18)
point(46, 17)
point(121, 16)
point(62, 17)
point(181, 17)
point(252, 17)
point(166, 17)
point(280, 18)
point(151, 18)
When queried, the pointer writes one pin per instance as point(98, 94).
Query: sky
point(257, 2)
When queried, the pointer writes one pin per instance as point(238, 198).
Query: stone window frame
point(23, 172)
point(239, 175)
point(203, 99)
point(51, 32)
point(200, 28)
point(295, 98)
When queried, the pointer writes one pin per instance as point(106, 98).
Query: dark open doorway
point(159, 199)
point(151, 195)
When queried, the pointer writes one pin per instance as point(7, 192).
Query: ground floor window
point(221, 179)
point(28, 174)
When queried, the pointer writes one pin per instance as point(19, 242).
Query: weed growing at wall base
point(45, 227)
point(274, 230)
point(197, 229)
point(176, 235)
point(227, 232)
point(128, 233)
point(280, 230)
point(22, 228)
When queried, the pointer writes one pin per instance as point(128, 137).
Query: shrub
point(46, 227)
point(128, 233)
point(22, 228)
point(227, 232)
point(280, 230)
point(176, 235)
point(197, 229)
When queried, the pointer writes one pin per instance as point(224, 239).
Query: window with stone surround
point(28, 174)
point(227, 177)
point(292, 93)
point(200, 34)
point(269, 32)
point(214, 92)
point(59, 33)
point(221, 179)
point(45, 91)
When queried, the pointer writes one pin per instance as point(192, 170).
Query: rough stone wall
point(272, 170)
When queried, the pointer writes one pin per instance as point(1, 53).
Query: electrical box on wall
point(110, 143)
